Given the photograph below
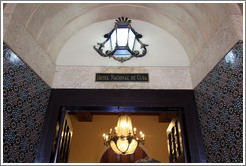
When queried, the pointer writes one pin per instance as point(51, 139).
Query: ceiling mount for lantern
point(122, 43)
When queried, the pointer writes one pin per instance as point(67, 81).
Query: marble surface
point(26, 47)
point(216, 48)
point(159, 78)
point(7, 15)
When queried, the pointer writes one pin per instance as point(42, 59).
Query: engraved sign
point(134, 77)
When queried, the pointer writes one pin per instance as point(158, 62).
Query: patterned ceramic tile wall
point(219, 99)
point(25, 99)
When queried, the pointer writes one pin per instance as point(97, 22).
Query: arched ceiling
point(186, 40)
point(52, 25)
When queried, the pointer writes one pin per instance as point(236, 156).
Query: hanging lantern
point(122, 43)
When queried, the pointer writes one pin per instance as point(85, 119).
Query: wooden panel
point(166, 117)
point(84, 116)
point(138, 154)
point(112, 158)
point(118, 158)
point(65, 139)
point(104, 158)
point(125, 158)
point(132, 156)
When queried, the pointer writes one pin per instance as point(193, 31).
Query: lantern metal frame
point(122, 22)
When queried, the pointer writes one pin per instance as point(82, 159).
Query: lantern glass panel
point(131, 40)
point(107, 46)
point(137, 46)
point(122, 52)
point(113, 40)
point(122, 36)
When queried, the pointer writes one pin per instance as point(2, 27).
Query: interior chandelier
point(123, 140)
point(122, 43)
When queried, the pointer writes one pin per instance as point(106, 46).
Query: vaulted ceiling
point(62, 36)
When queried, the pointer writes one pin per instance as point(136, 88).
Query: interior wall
point(27, 48)
point(25, 100)
point(219, 100)
point(87, 143)
point(216, 48)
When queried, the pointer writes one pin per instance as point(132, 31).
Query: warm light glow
point(123, 125)
point(114, 147)
point(122, 144)
point(122, 141)
point(132, 147)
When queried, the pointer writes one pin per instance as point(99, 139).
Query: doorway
point(89, 124)
point(183, 99)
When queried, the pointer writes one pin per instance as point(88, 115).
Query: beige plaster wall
point(87, 143)
point(27, 48)
point(159, 78)
point(228, 34)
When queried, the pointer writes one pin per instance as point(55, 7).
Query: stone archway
point(109, 156)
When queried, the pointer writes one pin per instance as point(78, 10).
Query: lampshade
point(124, 125)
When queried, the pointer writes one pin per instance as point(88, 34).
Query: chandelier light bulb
point(129, 131)
point(123, 140)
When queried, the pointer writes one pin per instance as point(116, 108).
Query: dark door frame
point(122, 97)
